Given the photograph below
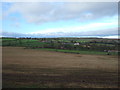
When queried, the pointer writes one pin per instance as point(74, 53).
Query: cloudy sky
point(59, 19)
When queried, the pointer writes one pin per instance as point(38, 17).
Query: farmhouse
point(76, 44)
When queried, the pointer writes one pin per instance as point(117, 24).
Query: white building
point(76, 44)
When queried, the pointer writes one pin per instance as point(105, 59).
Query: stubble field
point(32, 68)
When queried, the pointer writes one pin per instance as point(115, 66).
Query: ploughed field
point(32, 68)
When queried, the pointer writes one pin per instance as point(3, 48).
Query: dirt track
point(39, 68)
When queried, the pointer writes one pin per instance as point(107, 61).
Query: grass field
point(78, 51)
point(62, 46)
point(35, 68)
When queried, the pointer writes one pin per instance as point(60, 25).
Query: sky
point(59, 19)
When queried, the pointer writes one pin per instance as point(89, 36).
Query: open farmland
point(35, 68)
point(69, 45)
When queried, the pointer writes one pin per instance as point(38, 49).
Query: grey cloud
point(105, 32)
point(46, 11)
point(11, 34)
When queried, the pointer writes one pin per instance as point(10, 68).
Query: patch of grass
point(8, 39)
point(78, 51)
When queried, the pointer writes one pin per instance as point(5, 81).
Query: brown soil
point(38, 68)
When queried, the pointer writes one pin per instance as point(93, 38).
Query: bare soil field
point(31, 68)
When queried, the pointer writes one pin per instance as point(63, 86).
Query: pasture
point(37, 68)
point(67, 45)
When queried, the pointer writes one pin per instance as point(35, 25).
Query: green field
point(78, 51)
point(66, 45)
